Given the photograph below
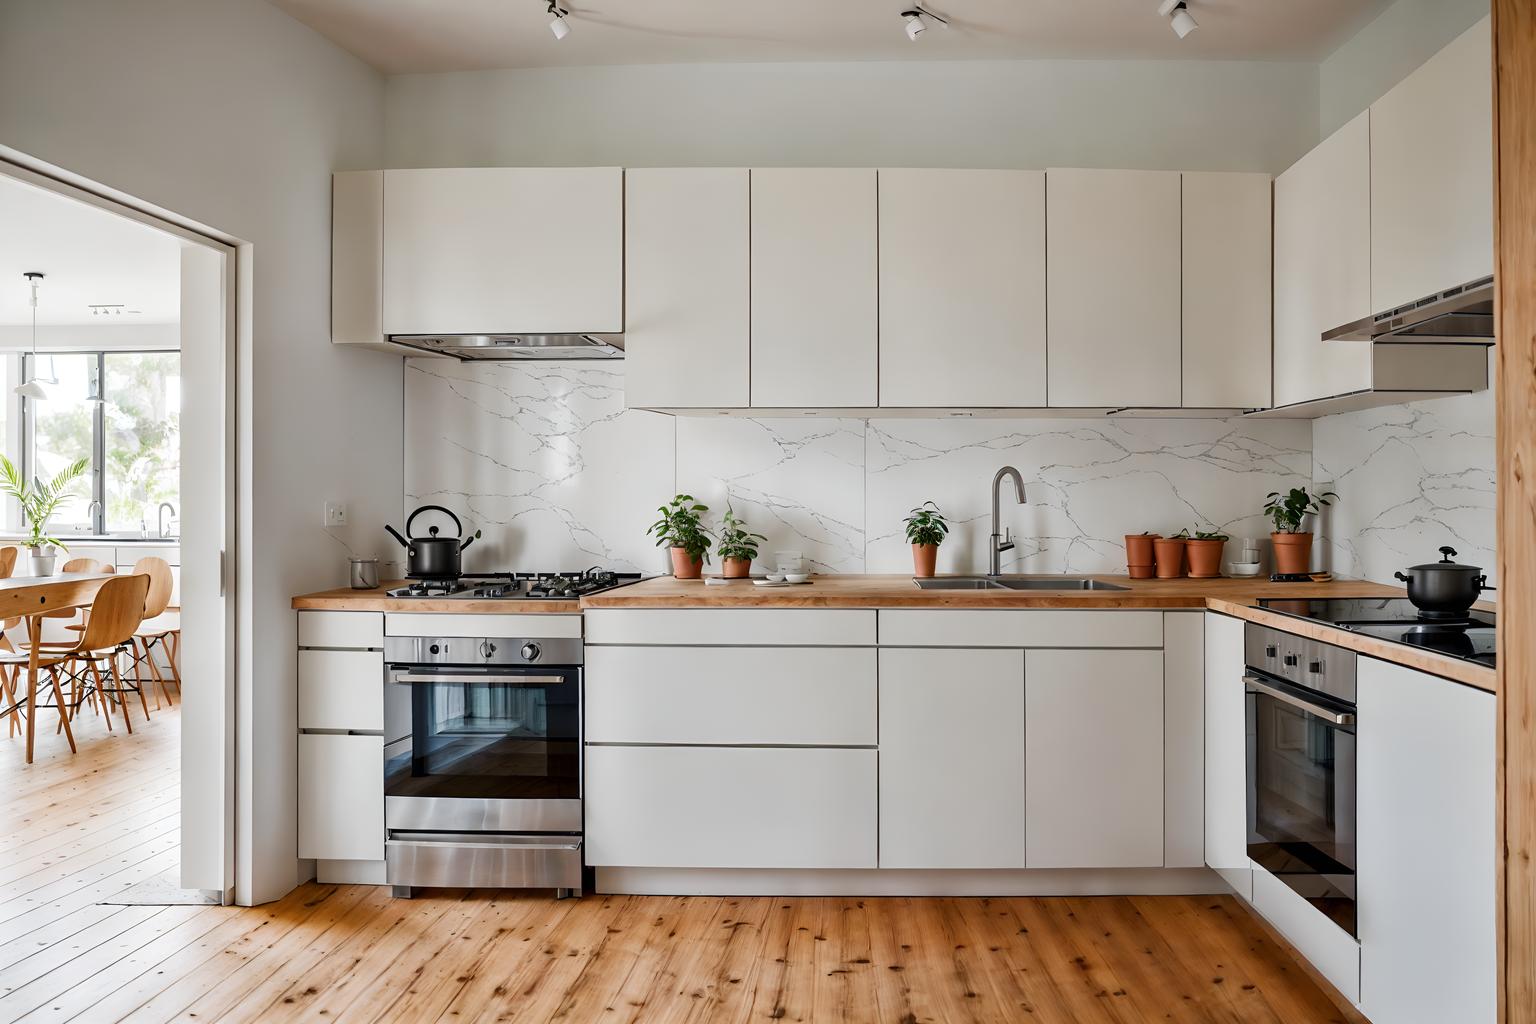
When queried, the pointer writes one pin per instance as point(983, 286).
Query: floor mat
point(163, 890)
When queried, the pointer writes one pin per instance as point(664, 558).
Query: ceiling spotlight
point(915, 24)
point(1183, 23)
point(558, 25)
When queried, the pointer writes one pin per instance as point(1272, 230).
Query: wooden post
point(1514, 105)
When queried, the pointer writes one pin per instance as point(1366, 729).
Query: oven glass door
point(1301, 794)
point(489, 734)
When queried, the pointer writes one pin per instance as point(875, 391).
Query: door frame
point(217, 867)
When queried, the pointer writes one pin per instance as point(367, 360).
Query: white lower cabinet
point(1226, 753)
point(1325, 945)
point(1426, 854)
point(730, 807)
point(341, 797)
point(951, 759)
point(1093, 775)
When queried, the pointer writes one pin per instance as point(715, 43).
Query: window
point(122, 412)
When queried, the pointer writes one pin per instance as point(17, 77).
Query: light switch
point(335, 514)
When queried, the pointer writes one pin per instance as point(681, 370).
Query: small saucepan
point(433, 557)
point(1444, 587)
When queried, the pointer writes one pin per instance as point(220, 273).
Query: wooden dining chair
point(8, 556)
point(160, 629)
point(116, 613)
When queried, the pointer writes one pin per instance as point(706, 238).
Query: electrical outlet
point(335, 514)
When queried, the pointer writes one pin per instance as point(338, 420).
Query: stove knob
point(487, 649)
point(1315, 667)
point(1270, 650)
point(531, 652)
point(1291, 661)
point(433, 648)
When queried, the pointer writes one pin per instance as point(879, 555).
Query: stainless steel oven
point(1301, 767)
point(483, 785)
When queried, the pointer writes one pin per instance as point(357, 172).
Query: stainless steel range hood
point(1458, 316)
point(490, 347)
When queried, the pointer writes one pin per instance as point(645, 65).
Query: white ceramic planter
point(42, 565)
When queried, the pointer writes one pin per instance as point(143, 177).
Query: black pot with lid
point(1444, 587)
point(433, 557)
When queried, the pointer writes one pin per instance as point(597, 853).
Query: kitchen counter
point(345, 599)
point(1236, 597)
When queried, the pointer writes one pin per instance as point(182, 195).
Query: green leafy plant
point(682, 526)
point(1181, 535)
point(1209, 535)
point(1288, 510)
point(735, 540)
point(39, 501)
point(926, 525)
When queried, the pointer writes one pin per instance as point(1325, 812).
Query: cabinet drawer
point(1326, 946)
point(1021, 628)
point(726, 695)
point(731, 807)
point(341, 690)
point(341, 797)
point(512, 626)
point(341, 629)
point(704, 627)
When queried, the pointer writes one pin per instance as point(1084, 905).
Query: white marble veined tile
point(543, 458)
point(1088, 483)
point(799, 482)
point(1410, 478)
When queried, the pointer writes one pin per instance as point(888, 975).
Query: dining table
point(29, 598)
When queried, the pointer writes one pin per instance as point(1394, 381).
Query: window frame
point(96, 512)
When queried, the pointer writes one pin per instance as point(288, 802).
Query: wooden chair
point(8, 556)
point(160, 628)
point(115, 614)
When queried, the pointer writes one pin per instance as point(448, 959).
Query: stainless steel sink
point(1015, 583)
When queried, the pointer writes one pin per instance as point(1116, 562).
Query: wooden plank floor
point(81, 828)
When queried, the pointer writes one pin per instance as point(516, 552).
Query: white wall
point(233, 114)
point(1380, 55)
point(1241, 116)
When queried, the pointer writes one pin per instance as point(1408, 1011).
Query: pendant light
point(33, 388)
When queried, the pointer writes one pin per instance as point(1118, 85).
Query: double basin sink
point(1014, 583)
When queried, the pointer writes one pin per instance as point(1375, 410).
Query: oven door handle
point(411, 678)
point(488, 843)
point(1257, 685)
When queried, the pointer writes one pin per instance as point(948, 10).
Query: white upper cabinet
point(815, 304)
point(1323, 267)
point(687, 279)
point(1432, 175)
point(1427, 849)
point(962, 288)
point(1227, 290)
point(504, 249)
point(357, 257)
point(1113, 288)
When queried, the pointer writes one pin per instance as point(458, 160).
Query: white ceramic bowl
point(1243, 568)
point(775, 577)
point(797, 577)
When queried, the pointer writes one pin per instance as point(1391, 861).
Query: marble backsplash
point(1412, 478)
point(547, 462)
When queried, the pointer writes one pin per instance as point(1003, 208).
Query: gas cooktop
point(1469, 636)
point(521, 586)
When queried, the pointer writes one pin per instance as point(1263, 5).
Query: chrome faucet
point(160, 516)
point(92, 511)
point(1003, 541)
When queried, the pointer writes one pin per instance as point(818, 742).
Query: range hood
point(491, 347)
point(1458, 316)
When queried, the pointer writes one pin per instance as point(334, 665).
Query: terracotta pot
point(684, 567)
point(1139, 558)
point(1293, 551)
point(736, 568)
point(925, 559)
point(1170, 557)
point(1204, 558)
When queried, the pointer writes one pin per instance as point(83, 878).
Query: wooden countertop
point(1236, 597)
point(345, 599)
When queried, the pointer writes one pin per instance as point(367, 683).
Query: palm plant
point(40, 501)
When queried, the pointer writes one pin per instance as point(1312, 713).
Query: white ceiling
point(403, 36)
point(88, 255)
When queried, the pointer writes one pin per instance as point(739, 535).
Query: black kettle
point(433, 557)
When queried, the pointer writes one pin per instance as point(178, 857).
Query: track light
point(915, 23)
point(1182, 22)
point(558, 25)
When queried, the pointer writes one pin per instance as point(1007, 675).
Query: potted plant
point(39, 502)
point(1169, 552)
point(681, 528)
point(1204, 550)
point(1293, 547)
point(1139, 559)
point(926, 530)
point(736, 546)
